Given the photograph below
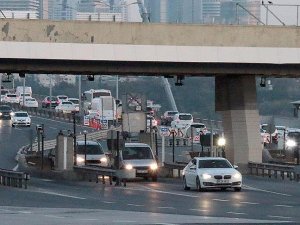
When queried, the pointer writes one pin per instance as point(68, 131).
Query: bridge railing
point(275, 170)
point(14, 179)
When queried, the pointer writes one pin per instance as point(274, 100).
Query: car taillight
point(48, 101)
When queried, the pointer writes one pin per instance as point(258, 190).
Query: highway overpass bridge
point(235, 55)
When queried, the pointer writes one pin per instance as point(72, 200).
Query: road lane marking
point(286, 206)
point(236, 213)
point(262, 190)
point(53, 128)
point(250, 203)
point(124, 221)
point(220, 200)
point(53, 216)
point(165, 207)
point(199, 210)
point(25, 212)
point(280, 217)
point(62, 195)
point(107, 202)
point(136, 205)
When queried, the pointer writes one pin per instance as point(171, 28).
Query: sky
point(287, 14)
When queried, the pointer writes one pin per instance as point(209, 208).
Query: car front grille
point(218, 177)
point(227, 177)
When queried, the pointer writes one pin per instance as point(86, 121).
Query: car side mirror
point(235, 166)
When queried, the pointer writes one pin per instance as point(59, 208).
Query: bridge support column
point(236, 101)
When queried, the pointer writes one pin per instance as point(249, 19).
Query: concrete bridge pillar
point(236, 101)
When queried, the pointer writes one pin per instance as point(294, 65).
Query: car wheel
point(13, 125)
point(185, 187)
point(198, 184)
point(237, 189)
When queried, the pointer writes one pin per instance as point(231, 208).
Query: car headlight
point(237, 176)
point(103, 160)
point(12, 113)
point(153, 166)
point(0, 113)
point(291, 143)
point(80, 159)
point(206, 176)
point(128, 167)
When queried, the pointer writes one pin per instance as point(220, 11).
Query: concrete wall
point(149, 34)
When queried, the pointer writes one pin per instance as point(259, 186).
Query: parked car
point(11, 98)
point(75, 102)
point(140, 157)
point(167, 118)
point(65, 107)
point(46, 102)
point(182, 120)
point(62, 98)
point(30, 103)
point(20, 118)
point(94, 154)
point(6, 112)
point(211, 172)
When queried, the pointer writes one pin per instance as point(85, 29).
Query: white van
point(94, 154)
point(140, 156)
point(182, 120)
point(20, 91)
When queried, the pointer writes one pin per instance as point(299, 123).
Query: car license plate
point(222, 181)
point(142, 171)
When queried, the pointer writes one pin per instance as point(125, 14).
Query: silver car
point(139, 156)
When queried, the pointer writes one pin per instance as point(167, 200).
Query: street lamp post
point(85, 149)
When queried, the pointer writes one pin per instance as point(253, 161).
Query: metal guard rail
point(291, 172)
point(14, 179)
point(179, 166)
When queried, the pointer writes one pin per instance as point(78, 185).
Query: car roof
point(21, 112)
point(73, 99)
point(197, 124)
point(136, 145)
point(209, 158)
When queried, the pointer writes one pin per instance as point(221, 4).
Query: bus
point(88, 96)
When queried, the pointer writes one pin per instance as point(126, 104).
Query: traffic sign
point(104, 124)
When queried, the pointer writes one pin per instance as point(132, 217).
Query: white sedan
point(30, 103)
point(20, 118)
point(211, 172)
point(65, 107)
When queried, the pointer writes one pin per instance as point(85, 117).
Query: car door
point(192, 173)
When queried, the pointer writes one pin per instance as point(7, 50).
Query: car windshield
point(74, 101)
point(185, 117)
point(53, 99)
point(4, 107)
point(295, 135)
point(198, 125)
point(172, 113)
point(67, 103)
point(12, 96)
point(137, 153)
point(214, 163)
point(95, 149)
point(62, 97)
point(29, 100)
point(21, 115)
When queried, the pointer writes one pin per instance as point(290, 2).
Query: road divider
point(14, 179)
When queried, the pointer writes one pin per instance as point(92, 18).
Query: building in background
point(239, 12)
point(202, 11)
point(20, 9)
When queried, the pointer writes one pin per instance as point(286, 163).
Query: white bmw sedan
point(211, 172)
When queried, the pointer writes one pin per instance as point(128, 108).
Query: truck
point(106, 107)
point(20, 90)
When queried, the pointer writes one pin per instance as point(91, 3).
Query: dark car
point(46, 102)
point(5, 112)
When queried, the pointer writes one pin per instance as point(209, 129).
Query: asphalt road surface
point(261, 201)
